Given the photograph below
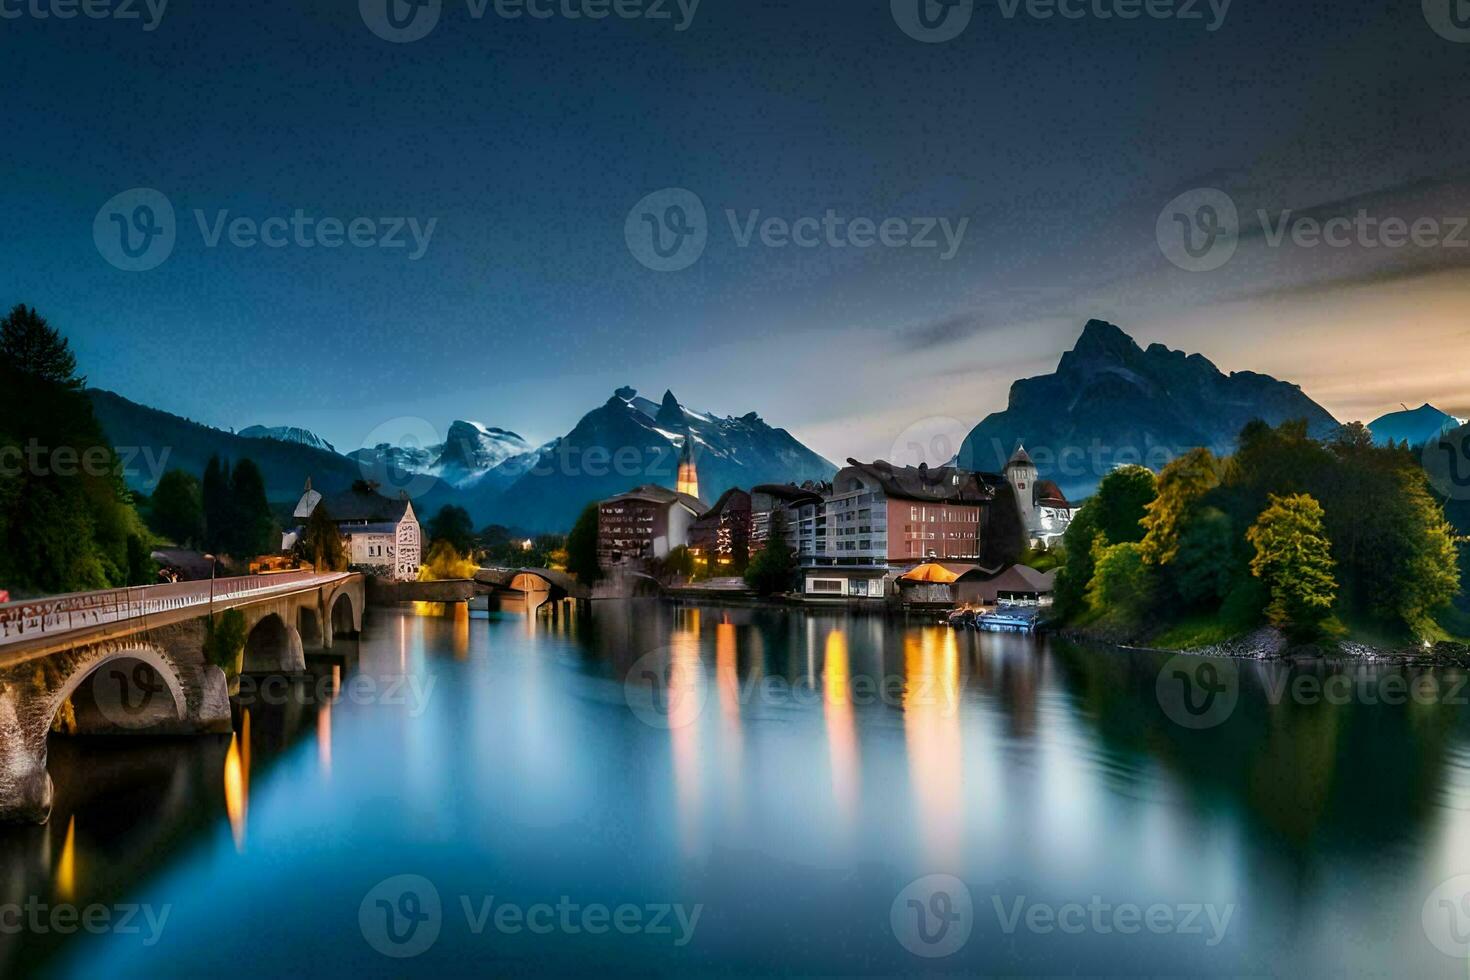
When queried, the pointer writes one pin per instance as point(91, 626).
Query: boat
point(1009, 619)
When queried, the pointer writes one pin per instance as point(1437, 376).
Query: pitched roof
point(789, 492)
point(655, 494)
point(1022, 578)
point(939, 484)
point(1050, 494)
point(1019, 458)
point(942, 571)
point(353, 505)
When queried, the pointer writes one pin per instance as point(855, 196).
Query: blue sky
point(527, 142)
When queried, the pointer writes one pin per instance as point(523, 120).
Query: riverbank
point(1269, 643)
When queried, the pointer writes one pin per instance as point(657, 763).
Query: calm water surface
point(789, 778)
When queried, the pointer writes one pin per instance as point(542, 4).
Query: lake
point(675, 790)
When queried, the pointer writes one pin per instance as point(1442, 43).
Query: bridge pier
point(25, 785)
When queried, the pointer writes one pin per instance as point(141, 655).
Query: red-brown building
point(646, 522)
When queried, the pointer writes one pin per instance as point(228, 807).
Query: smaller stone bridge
point(132, 661)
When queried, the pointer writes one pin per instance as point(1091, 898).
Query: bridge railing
point(57, 614)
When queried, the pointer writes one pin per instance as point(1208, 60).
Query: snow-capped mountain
point(287, 433)
point(469, 454)
point(472, 450)
point(631, 440)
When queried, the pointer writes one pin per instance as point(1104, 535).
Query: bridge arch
point(273, 647)
point(344, 617)
point(128, 688)
point(309, 625)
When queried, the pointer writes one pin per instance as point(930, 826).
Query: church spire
point(688, 475)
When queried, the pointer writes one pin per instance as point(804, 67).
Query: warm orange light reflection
point(931, 727)
point(461, 638)
point(324, 726)
point(841, 727)
point(684, 678)
point(66, 865)
point(236, 795)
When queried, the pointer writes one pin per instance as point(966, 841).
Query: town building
point(1045, 510)
point(881, 519)
point(645, 522)
point(721, 535)
point(382, 534)
point(802, 511)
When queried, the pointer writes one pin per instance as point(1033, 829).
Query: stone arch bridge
point(132, 661)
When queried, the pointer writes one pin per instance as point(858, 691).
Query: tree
point(1294, 561)
point(444, 563)
point(774, 566)
point(1181, 485)
point(67, 521)
point(254, 531)
point(176, 510)
point(322, 541)
point(1113, 515)
point(453, 525)
point(582, 547)
point(1121, 501)
point(224, 641)
point(218, 506)
point(1122, 583)
point(1204, 568)
point(33, 347)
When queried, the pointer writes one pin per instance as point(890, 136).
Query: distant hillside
point(1415, 426)
point(630, 441)
point(1110, 401)
point(178, 443)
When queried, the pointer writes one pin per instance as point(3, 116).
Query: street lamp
point(211, 586)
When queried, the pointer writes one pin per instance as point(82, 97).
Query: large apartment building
point(881, 519)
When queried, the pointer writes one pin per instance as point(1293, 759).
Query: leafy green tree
point(67, 521)
point(1116, 509)
point(176, 509)
point(1294, 561)
point(1122, 500)
point(254, 532)
point(582, 547)
point(773, 568)
point(453, 525)
point(321, 542)
point(224, 641)
point(1204, 569)
point(1182, 484)
point(1122, 581)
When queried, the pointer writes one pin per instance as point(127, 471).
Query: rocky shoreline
point(1269, 643)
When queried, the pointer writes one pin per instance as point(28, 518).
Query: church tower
point(1021, 474)
point(688, 475)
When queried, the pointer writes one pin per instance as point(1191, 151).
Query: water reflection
point(832, 759)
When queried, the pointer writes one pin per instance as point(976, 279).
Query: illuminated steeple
point(688, 475)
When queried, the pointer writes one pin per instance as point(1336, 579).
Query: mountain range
point(492, 472)
point(1111, 402)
